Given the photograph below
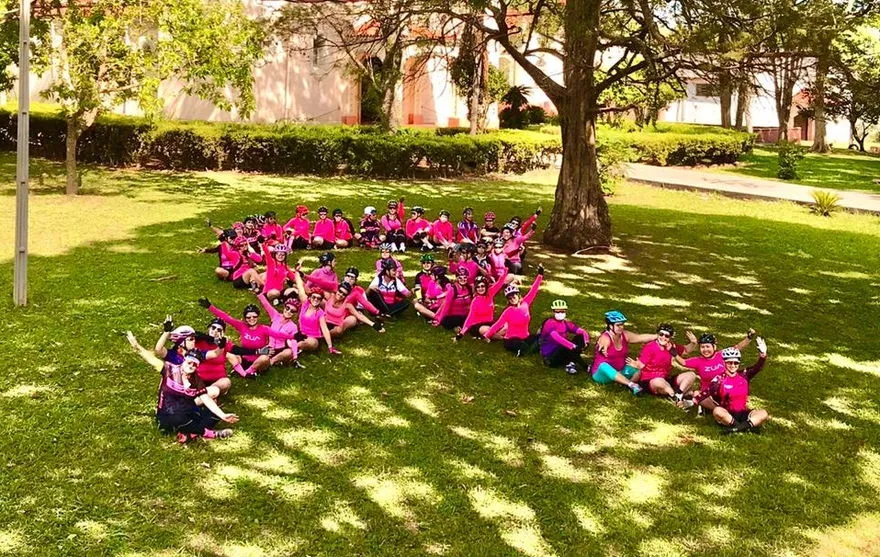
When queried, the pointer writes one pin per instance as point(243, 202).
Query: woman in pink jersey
point(271, 230)
point(324, 277)
point(709, 364)
point(481, 313)
point(343, 229)
point(513, 247)
point(244, 274)
point(513, 324)
point(442, 231)
point(430, 285)
point(456, 303)
point(498, 259)
point(226, 252)
point(358, 296)
point(324, 231)
point(418, 230)
point(312, 321)
point(252, 334)
point(282, 350)
point(297, 229)
point(392, 223)
point(612, 351)
point(277, 272)
point(463, 259)
point(655, 364)
point(341, 315)
point(731, 391)
point(387, 292)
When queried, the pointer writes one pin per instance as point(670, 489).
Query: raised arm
point(273, 313)
point(239, 325)
point(639, 339)
point(327, 284)
point(533, 291)
point(745, 342)
point(496, 286)
point(755, 368)
point(145, 354)
point(301, 288)
point(502, 320)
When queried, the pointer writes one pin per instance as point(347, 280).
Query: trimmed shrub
point(288, 149)
point(790, 155)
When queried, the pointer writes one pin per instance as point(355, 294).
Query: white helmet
point(369, 210)
point(731, 354)
point(182, 333)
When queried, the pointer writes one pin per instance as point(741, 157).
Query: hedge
point(287, 149)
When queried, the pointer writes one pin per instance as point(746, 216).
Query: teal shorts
point(605, 373)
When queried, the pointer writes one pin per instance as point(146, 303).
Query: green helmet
point(427, 258)
point(558, 305)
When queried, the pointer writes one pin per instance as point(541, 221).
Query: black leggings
point(396, 236)
point(515, 267)
point(563, 356)
point(193, 420)
point(388, 309)
point(453, 321)
point(521, 346)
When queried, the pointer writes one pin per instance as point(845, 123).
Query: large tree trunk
point(73, 131)
point(580, 216)
point(786, 74)
point(478, 94)
point(725, 94)
point(743, 100)
point(819, 144)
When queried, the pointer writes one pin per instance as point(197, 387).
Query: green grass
point(410, 445)
point(841, 169)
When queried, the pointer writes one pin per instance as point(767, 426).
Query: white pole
point(21, 174)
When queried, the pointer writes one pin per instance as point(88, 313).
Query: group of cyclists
point(309, 309)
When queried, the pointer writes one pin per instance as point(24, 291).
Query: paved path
point(743, 186)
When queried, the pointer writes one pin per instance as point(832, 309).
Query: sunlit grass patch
point(515, 521)
point(342, 516)
point(318, 444)
point(397, 493)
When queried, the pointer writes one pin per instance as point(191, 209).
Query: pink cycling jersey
point(279, 323)
point(325, 229)
point(390, 291)
point(250, 337)
point(358, 298)
point(343, 229)
point(457, 301)
point(482, 308)
point(390, 223)
point(245, 263)
point(499, 263)
point(228, 255)
point(657, 360)
point(333, 314)
point(300, 227)
point(214, 368)
point(324, 278)
point(416, 225)
point(310, 321)
point(517, 318)
point(472, 268)
point(732, 392)
point(616, 357)
point(276, 272)
point(707, 368)
point(513, 248)
point(272, 231)
point(442, 231)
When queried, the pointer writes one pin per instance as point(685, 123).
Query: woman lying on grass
point(655, 364)
point(612, 353)
point(185, 406)
point(731, 392)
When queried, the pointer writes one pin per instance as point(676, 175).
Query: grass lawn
point(410, 445)
point(841, 169)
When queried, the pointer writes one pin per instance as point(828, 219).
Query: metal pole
point(21, 174)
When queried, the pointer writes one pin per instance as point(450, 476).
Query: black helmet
point(353, 271)
point(228, 234)
point(418, 209)
point(468, 210)
point(444, 213)
point(270, 215)
point(337, 212)
point(516, 218)
point(218, 322)
point(250, 308)
point(438, 271)
point(389, 264)
point(392, 204)
point(344, 287)
point(322, 209)
point(325, 258)
point(666, 328)
point(707, 338)
point(194, 355)
point(250, 218)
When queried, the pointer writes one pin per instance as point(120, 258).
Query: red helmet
point(240, 241)
point(301, 210)
point(489, 216)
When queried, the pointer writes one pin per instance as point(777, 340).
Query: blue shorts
point(605, 373)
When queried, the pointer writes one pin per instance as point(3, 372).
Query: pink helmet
point(489, 216)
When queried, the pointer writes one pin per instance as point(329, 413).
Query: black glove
point(379, 326)
point(458, 337)
point(751, 334)
point(221, 342)
point(673, 351)
point(204, 302)
point(538, 212)
point(168, 325)
point(540, 269)
point(534, 226)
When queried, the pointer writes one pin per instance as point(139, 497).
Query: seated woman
point(513, 324)
point(185, 406)
point(312, 321)
point(731, 391)
point(387, 292)
point(655, 364)
point(282, 350)
point(456, 303)
point(709, 364)
point(612, 351)
point(557, 349)
point(430, 285)
point(341, 315)
point(481, 313)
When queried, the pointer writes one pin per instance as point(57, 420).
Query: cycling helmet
point(315, 291)
point(228, 234)
point(281, 248)
point(217, 322)
point(499, 243)
point(462, 272)
point(444, 213)
point(193, 356)
point(729, 354)
point(240, 241)
point(558, 305)
point(182, 333)
point(510, 227)
point(614, 316)
point(270, 215)
point(250, 308)
point(707, 338)
point(345, 288)
point(427, 258)
point(353, 272)
point(261, 219)
point(337, 212)
point(392, 204)
point(322, 209)
point(389, 265)
point(482, 242)
point(301, 210)
point(250, 218)
point(385, 246)
point(238, 225)
point(291, 304)
point(468, 210)
point(489, 216)
point(325, 258)
point(510, 290)
point(516, 219)
point(418, 209)
point(481, 281)
point(666, 328)
point(369, 210)
point(438, 271)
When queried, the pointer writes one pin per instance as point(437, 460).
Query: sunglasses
point(288, 308)
point(215, 328)
point(316, 297)
point(731, 363)
point(664, 335)
point(251, 316)
point(560, 311)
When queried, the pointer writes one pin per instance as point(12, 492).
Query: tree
point(854, 81)
point(107, 52)
point(644, 96)
point(363, 33)
point(469, 71)
point(627, 37)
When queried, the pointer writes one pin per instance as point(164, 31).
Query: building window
point(706, 90)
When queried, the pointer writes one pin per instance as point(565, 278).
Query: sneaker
point(402, 247)
point(182, 438)
point(222, 434)
point(571, 368)
point(297, 365)
point(737, 427)
point(686, 404)
point(635, 389)
point(393, 248)
point(700, 411)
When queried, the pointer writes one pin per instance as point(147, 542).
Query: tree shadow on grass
point(410, 444)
